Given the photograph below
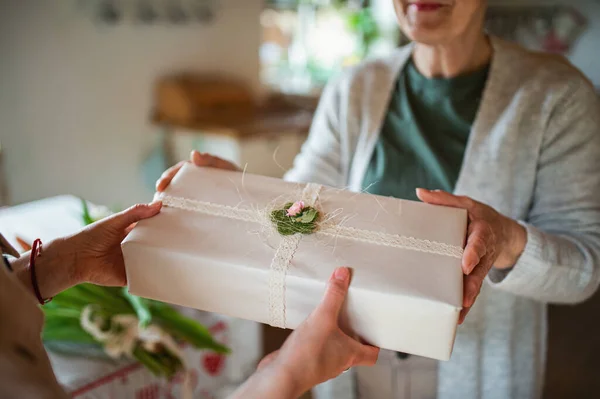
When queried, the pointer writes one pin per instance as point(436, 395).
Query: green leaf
point(305, 223)
point(65, 300)
point(63, 323)
point(83, 295)
point(107, 298)
point(279, 215)
point(150, 362)
point(58, 321)
point(61, 312)
point(185, 328)
point(86, 216)
point(308, 215)
point(141, 309)
point(67, 333)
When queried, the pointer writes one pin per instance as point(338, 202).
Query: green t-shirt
point(424, 133)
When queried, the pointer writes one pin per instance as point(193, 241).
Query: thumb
point(212, 161)
point(366, 355)
point(439, 197)
point(336, 291)
point(124, 219)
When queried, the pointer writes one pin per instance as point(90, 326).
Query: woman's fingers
point(123, 220)
point(207, 160)
point(479, 241)
point(198, 159)
point(463, 314)
point(474, 281)
point(444, 198)
point(366, 355)
point(168, 175)
point(335, 294)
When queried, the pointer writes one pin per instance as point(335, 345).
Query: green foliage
point(364, 24)
point(86, 216)
point(304, 223)
point(141, 309)
point(63, 323)
point(63, 320)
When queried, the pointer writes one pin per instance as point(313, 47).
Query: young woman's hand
point(97, 248)
point(315, 352)
point(93, 255)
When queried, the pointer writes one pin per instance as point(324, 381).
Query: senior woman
point(515, 135)
point(318, 350)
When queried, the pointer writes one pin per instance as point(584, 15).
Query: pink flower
point(296, 208)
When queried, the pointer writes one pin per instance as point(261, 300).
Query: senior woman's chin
point(437, 21)
point(425, 22)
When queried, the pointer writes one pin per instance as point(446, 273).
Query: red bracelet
point(36, 250)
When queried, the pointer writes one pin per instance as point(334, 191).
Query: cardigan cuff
point(527, 267)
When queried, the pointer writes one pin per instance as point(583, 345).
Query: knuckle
point(478, 244)
point(354, 360)
point(467, 201)
point(137, 208)
point(490, 229)
point(336, 289)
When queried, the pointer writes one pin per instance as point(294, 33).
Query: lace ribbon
point(289, 244)
point(281, 263)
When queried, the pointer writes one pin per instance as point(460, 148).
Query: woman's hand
point(93, 255)
point(99, 259)
point(493, 240)
point(315, 352)
point(197, 159)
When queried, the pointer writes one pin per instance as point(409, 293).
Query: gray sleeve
point(561, 261)
point(320, 158)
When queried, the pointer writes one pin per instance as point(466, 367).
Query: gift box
point(224, 243)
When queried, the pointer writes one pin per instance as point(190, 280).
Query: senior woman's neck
point(447, 60)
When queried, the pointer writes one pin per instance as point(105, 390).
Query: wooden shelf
point(277, 115)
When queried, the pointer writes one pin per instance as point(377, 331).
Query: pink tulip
point(296, 208)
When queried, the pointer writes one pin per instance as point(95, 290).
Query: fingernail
point(196, 156)
point(467, 268)
point(341, 273)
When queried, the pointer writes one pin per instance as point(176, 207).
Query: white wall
point(75, 97)
point(586, 53)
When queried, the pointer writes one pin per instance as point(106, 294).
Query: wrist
point(271, 382)
point(54, 267)
point(293, 382)
point(516, 242)
point(63, 259)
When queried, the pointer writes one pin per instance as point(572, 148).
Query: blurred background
point(98, 97)
point(91, 88)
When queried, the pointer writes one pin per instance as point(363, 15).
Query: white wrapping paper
point(401, 299)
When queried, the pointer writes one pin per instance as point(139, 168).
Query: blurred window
point(306, 42)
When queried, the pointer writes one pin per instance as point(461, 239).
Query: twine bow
point(125, 333)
